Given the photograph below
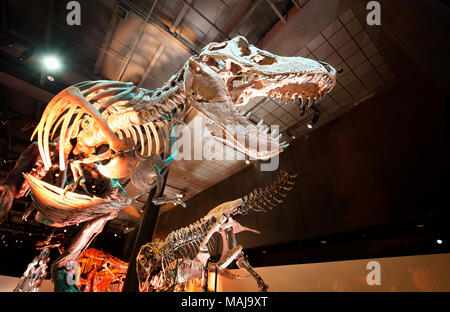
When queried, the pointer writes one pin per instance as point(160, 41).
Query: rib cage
point(126, 110)
point(185, 242)
point(143, 115)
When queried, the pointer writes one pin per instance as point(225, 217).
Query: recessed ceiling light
point(439, 241)
point(309, 126)
point(50, 78)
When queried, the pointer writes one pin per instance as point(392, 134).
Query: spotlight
point(115, 234)
point(313, 121)
point(323, 242)
point(26, 54)
point(65, 231)
point(51, 63)
point(247, 162)
point(439, 241)
point(50, 78)
point(291, 135)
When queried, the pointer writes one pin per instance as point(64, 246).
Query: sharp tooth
point(248, 115)
point(274, 133)
point(260, 123)
point(242, 113)
point(284, 146)
point(278, 137)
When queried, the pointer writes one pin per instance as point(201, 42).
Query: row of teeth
point(265, 129)
point(302, 78)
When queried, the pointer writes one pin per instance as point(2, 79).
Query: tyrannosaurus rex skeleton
point(94, 133)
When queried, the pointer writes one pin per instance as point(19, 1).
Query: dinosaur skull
point(227, 75)
point(249, 72)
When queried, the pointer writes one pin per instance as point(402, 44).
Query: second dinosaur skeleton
point(183, 255)
point(95, 134)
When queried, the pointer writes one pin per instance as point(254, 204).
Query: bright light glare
point(51, 62)
point(439, 241)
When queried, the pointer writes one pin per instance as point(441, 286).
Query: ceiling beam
point(244, 12)
point(276, 11)
point(180, 16)
point(277, 28)
point(206, 19)
point(161, 26)
point(107, 40)
point(150, 67)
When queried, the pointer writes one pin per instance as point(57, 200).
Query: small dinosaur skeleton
point(183, 255)
point(95, 133)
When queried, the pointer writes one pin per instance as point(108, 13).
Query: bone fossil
point(183, 255)
point(95, 133)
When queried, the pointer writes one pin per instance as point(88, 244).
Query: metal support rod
point(296, 4)
point(133, 49)
point(161, 26)
point(206, 19)
point(144, 235)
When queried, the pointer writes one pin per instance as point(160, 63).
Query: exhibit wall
point(411, 273)
point(383, 162)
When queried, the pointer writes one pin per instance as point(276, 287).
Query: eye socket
point(217, 46)
point(264, 59)
point(244, 47)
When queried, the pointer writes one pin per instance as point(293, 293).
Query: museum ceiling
point(148, 41)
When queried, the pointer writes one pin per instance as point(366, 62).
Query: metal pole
point(144, 235)
point(133, 49)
